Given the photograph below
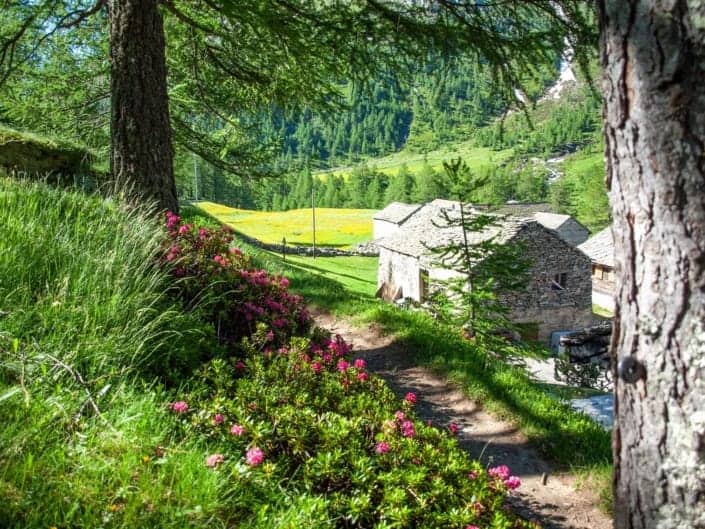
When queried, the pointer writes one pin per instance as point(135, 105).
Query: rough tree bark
point(653, 59)
point(141, 158)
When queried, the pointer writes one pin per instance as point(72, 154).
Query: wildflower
point(454, 428)
point(218, 418)
point(382, 447)
point(183, 230)
point(512, 482)
point(407, 429)
point(180, 407)
point(316, 366)
point(254, 456)
point(237, 430)
point(410, 398)
point(471, 527)
point(472, 474)
point(502, 472)
point(343, 365)
point(270, 336)
point(327, 358)
point(235, 251)
point(359, 363)
point(240, 365)
point(399, 415)
point(284, 282)
point(202, 233)
point(363, 377)
point(478, 508)
point(214, 460)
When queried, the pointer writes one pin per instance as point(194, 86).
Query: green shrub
point(315, 426)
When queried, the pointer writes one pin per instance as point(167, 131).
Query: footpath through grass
point(561, 434)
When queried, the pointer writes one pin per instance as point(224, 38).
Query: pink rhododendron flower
point(218, 418)
point(214, 460)
point(343, 365)
point(512, 482)
point(363, 377)
point(237, 430)
point(454, 428)
point(502, 472)
point(382, 447)
point(359, 363)
point(410, 397)
point(407, 429)
point(254, 456)
point(180, 407)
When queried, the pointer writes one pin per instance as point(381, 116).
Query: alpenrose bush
point(210, 272)
point(307, 426)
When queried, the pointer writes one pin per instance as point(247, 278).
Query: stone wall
point(553, 309)
point(321, 251)
point(399, 270)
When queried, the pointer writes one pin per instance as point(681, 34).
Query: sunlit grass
point(475, 157)
point(334, 227)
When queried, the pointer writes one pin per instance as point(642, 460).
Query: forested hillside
point(387, 143)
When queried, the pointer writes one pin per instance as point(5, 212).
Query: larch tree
point(653, 67)
point(176, 65)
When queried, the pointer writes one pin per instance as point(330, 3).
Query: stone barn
point(387, 221)
point(600, 249)
point(558, 296)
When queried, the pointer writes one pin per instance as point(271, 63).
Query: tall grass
point(78, 280)
point(85, 329)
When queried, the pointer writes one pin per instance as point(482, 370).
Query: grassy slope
point(334, 227)
point(82, 299)
point(475, 157)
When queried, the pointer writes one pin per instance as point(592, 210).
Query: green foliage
point(581, 191)
point(306, 424)
point(485, 267)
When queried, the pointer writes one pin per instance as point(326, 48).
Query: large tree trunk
point(141, 158)
point(653, 60)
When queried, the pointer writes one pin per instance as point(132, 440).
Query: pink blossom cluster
point(254, 456)
point(503, 474)
point(205, 259)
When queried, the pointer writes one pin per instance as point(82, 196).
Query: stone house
point(387, 221)
point(600, 249)
point(558, 296)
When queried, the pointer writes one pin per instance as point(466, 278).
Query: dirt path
point(550, 499)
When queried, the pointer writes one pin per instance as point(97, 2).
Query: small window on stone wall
point(559, 281)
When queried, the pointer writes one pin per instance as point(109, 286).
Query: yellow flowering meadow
point(341, 228)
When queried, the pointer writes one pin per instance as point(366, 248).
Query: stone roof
point(523, 209)
point(397, 212)
point(600, 248)
point(427, 229)
point(551, 220)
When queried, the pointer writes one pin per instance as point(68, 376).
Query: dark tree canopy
point(226, 60)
